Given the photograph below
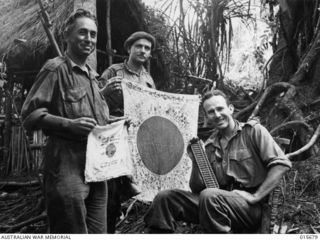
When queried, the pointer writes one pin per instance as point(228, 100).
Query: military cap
point(139, 35)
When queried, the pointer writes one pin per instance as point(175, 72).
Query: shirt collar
point(87, 69)
point(143, 70)
point(215, 136)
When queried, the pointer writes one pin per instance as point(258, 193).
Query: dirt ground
point(22, 207)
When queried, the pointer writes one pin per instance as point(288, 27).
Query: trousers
point(216, 210)
point(120, 189)
point(73, 206)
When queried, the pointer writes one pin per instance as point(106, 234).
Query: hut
point(24, 47)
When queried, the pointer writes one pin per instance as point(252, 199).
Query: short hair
point(212, 93)
point(139, 35)
point(79, 13)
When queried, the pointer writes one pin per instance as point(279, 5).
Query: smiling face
point(140, 51)
point(219, 113)
point(82, 38)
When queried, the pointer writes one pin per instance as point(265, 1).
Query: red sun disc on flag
point(160, 144)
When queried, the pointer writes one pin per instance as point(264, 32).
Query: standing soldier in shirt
point(139, 46)
point(66, 104)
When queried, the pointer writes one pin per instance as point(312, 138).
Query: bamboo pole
point(108, 26)
point(13, 159)
point(8, 113)
point(11, 151)
point(16, 141)
point(34, 151)
point(19, 151)
point(47, 24)
point(37, 142)
point(26, 154)
point(8, 163)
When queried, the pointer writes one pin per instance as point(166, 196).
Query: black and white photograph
point(159, 117)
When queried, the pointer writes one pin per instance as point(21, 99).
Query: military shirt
point(245, 161)
point(64, 89)
point(123, 71)
point(115, 73)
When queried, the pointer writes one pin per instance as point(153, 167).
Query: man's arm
point(79, 126)
point(273, 178)
point(109, 82)
point(107, 74)
point(274, 159)
point(35, 110)
point(41, 119)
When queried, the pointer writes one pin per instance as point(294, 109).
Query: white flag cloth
point(108, 153)
point(162, 126)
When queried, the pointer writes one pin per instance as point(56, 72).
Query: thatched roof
point(128, 16)
point(24, 43)
point(20, 20)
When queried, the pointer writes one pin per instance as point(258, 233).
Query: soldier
point(66, 104)
point(139, 46)
point(248, 165)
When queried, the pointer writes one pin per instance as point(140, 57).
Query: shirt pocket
point(74, 102)
point(242, 165)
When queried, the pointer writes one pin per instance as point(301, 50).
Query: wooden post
point(47, 24)
point(108, 26)
point(2, 116)
point(8, 114)
point(91, 6)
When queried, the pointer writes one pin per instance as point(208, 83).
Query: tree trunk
point(293, 64)
point(284, 61)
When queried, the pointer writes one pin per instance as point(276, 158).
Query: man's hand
point(272, 180)
point(115, 86)
point(250, 198)
point(128, 122)
point(112, 87)
point(81, 126)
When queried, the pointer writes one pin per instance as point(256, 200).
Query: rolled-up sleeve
point(39, 99)
point(270, 152)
